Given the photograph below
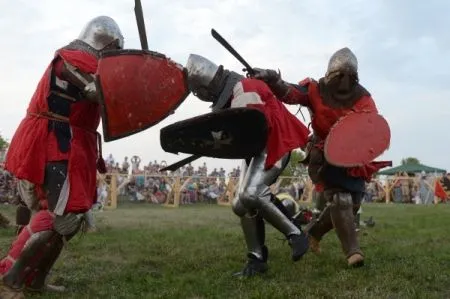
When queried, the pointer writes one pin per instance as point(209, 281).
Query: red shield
point(357, 139)
point(138, 90)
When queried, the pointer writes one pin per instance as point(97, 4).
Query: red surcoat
point(33, 145)
point(324, 117)
point(286, 132)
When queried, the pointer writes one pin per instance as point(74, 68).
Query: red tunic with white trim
point(286, 132)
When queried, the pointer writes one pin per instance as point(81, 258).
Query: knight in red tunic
point(54, 153)
point(254, 202)
point(329, 99)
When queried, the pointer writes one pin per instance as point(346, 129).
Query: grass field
point(144, 251)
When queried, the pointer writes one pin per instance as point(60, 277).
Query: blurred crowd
point(138, 182)
point(145, 183)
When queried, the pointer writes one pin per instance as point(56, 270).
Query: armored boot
point(38, 282)
point(254, 233)
point(342, 215)
point(254, 265)
point(297, 239)
point(14, 280)
point(318, 228)
point(67, 227)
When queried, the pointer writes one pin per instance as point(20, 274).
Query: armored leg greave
point(254, 193)
point(39, 243)
point(254, 198)
point(342, 215)
point(37, 281)
point(26, 262)
point(254, 233)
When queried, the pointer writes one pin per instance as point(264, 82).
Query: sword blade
point(227, 46)
point(175, 166)
point(140, 24)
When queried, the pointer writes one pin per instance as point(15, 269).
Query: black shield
point(237, 133)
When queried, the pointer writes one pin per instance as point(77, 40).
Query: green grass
point(144, 251)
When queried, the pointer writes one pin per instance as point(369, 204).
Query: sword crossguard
point(249, 73)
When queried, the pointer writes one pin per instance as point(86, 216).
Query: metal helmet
point(289, 203)
point(209, 82)
point(342, 60)
point(102, 32)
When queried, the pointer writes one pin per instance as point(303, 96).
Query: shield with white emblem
point(237, 133)
point(138, 89)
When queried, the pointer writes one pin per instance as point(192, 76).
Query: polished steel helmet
point(342, 60)
point(289, 203)
point(209, 82)
point(102, 32)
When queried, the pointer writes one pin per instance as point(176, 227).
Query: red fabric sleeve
point(368, 170)
point(58, 67)
point(83, 61)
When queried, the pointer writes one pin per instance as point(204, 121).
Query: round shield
point(357, 139)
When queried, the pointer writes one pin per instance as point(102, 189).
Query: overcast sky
point(403, 49)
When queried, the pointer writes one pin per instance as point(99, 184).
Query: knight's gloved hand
point(266, 75)
point(90, 91)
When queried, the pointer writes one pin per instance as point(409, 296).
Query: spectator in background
point(125, 166)
point(135, 162)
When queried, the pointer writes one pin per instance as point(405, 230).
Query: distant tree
point(3, 147)
point(410, 160)
point(3, 143)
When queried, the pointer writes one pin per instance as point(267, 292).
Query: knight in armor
point(55, 155)
point(332, 97)
point(254, 201)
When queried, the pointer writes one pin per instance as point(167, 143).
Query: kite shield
point(138, 90)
